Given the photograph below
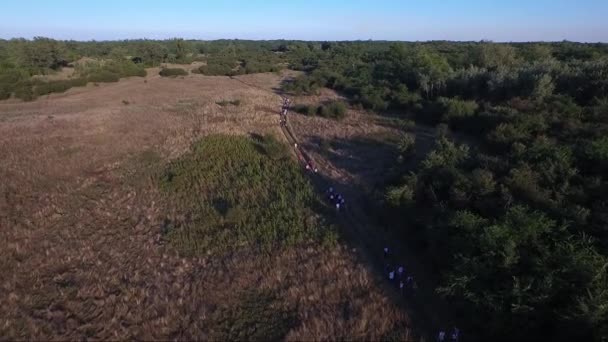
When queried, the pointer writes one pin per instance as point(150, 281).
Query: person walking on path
point(455, 335)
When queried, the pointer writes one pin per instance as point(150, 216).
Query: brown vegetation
point(81, 220)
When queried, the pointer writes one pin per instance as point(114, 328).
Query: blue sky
point(505, 20)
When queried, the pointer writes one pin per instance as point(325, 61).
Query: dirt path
point(428, 312)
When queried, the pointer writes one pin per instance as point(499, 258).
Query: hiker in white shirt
point(400, 272)
point(455, 334)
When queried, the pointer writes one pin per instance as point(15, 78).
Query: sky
point(415, 20)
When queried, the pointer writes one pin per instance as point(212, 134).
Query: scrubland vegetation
point(269, 203)
point(334, 110)
point(172, 72)
point(512, 213)
point(515, 218)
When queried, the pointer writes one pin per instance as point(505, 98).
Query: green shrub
point(172, 72)
point(268, 204)
point(24, 91)
point(334, 110)
point(406, 144)
point(216, 70)
point(110, 71)
point(456, 109)
point(5, 93)
point(331, 110)
point(58, 86)
point(597, 152)
point(303, 85)
point(220, 66)
point(309, 110)
point(103, 76)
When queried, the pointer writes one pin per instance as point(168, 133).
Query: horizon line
point(305, 40)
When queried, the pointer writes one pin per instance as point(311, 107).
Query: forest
point(514, 212)
point(511, 205)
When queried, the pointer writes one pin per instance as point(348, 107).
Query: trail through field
point(82, 219)
point(349, 175)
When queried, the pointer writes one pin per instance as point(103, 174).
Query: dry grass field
point(82, 252)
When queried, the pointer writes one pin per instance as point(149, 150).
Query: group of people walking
point(336, 199)
point(408, 286)
point(454, 336)
point(303, 157)
point(396, 274)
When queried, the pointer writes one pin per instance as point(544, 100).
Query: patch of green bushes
point(454, 109)
point(303, 85)
point(309, 110)
point(332, 110)
point(172, 72)
point(219, 67)
point(23, 90)
point(111, 71)
point(103, 76)
point(233, 192)
point(46, 88)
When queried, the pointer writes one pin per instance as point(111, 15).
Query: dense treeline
point(514, 215)
point(517, 219)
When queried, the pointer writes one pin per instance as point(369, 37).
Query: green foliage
point(268, 204)
point(42, 54)
point(491, 55)
point(446, 154)
point(152, 53)
point(229, 63)
point(172, 72)
point(103, 76)
point(516, 222)
point(182, 51)
point(331, 110)
point(23, 90)
point(110, 71)
point(309, 110)
point(46, 88)
point(509, 236)
point(406, 144)
point(303, 85)
point(11, 79)
point(455, 109)
point(597, 151)
point(219, 67)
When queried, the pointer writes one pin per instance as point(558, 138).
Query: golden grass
point(82, 254)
